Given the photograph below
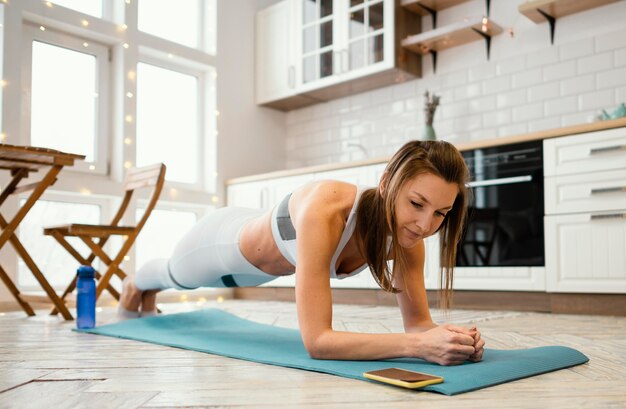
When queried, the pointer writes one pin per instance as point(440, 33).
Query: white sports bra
point(285, 235)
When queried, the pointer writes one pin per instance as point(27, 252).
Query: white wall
point(527, 85)
point(251, 139)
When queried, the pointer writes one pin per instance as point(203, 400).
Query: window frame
point(103, 77)
point(201, 95)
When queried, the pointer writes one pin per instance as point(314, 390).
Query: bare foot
point(131, 296)
point(148, 303)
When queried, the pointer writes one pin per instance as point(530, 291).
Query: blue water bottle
point(85, 298)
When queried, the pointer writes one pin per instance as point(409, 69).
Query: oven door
point(505, 222)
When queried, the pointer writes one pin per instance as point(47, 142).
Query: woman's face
point(421, 207)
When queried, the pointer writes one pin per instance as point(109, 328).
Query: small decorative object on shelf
point(430, 106)
point(618, 112)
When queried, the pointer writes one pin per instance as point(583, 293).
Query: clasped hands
point(449, 344)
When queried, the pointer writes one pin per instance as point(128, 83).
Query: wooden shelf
point(424, 7)
point(537, 9)
point(450, 36)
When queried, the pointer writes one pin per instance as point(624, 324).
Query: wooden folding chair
point(96, 236)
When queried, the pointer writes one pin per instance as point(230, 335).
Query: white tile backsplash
point(559, 71)
point(527, 85)
point(512, 98)
point(595, 63)
point(545, 91)
point(527, 112)
point(527, 78)
point(576, 49)
point(612, 78)
point(612, 40)
point(620, 57)
point(578, 85)
point(561, 106)
point(596, 100)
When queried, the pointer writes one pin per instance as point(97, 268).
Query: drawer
point(590, 152)
point(602, 191)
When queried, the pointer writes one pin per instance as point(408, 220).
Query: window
point(55, 262)
point(167, 121)
point(161, 233)
point(69, 97)
point(182, 26)
point(123, 91)
point(193, 24)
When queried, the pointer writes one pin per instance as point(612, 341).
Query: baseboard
point(593, 304)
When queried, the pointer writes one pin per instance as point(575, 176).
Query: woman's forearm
point(357, 346)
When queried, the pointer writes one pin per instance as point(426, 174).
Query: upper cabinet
point(309, 51)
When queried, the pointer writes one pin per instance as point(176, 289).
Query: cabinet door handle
point(608, 216)
point(501, 181)
point(291, 75)
point(616, 189)
point(605, 149)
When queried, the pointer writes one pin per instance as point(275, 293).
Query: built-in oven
point(505, 218)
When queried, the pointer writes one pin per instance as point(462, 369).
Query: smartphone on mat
point(403, 377)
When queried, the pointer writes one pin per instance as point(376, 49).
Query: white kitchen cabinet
point(586, 252)
point(343, 39)
point(585, 153)
point(250, 194)
point(310, 51)
point(585, 223)
point(275, 56)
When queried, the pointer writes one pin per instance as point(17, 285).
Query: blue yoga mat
point(218, 332)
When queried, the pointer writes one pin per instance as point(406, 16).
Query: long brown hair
point(376, 212)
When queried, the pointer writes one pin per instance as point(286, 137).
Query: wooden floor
point(43, 364)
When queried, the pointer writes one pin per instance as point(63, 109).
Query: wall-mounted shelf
point(433, 41)
point(431, 7)
point(540, 11)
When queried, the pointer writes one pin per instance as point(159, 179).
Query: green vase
point(429, 133)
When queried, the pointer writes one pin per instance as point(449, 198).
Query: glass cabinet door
point(318, 39)
point(366, 27)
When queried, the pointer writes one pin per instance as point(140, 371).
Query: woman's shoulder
point(325, 197)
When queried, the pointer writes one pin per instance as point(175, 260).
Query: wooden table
point(21, 161)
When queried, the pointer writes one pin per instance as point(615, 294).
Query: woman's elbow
point(317, 348)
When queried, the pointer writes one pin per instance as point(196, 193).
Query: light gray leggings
point(207, 256)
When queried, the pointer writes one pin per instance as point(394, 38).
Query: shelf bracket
point(433, 53)
point(488, 6)
point(551, 21)
point(432, 12)
point(487, 38)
